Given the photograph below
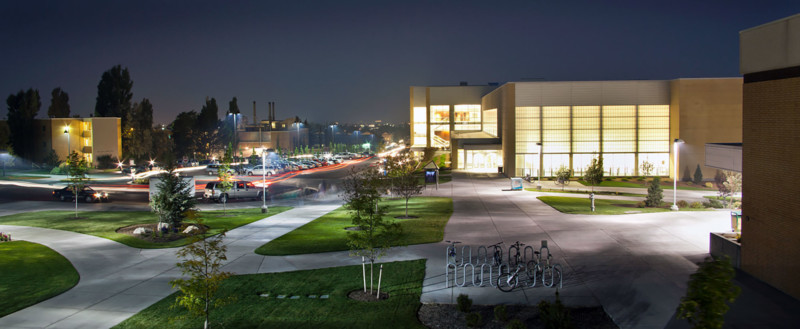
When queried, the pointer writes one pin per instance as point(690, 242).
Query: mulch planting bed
point(447, 316)
point(157, 236)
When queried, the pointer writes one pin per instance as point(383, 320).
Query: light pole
point(539, 155)
point(264, 208)
point(675, 171)
point(333, 137)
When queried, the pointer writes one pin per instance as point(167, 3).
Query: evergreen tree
point(114, 94)
point(140, 131)
point(698, 175)
point(208, 124)
point(654, 193)
point(22, 110)
point(185, 133)
point(59, 104)
point(173, 200)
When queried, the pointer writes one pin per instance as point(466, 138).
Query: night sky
point(353, 61)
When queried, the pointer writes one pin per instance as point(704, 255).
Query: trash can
point(500, 170)
point(736, 221)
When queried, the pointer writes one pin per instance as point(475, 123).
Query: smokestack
point(255, 120)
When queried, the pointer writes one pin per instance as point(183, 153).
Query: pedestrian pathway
point(634, 266)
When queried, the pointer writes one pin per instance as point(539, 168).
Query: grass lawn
point(328, 233)
point(402, 280)
point(31, 273)
point(22, 177)
point(533, 189)
point(665, 184)
point(570, 205)
point(105, 223)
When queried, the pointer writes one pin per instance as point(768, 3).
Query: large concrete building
point(532, 128)
point(770, 63)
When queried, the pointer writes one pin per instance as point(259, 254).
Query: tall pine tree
point(22, 109)
point(59, 104)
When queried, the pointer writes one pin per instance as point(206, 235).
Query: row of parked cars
point(274, 167)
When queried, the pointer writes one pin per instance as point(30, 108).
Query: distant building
point(770, 62)
point(271, 134)
point(90, 137)
point(527, 127)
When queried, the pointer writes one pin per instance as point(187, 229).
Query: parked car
point(239, 190)
point(261, 170)
point(135, 169)
point(86, 194)
point(213, 169)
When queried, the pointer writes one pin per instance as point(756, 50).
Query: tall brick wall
point(771, 182)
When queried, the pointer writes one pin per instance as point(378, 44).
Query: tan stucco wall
point(707, 111)
point(106, 139)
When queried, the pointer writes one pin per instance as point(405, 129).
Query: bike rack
point(510, 253)
point(525, 254)
point(463, 252)
point(447, 255)
point(447, 275)
point(485, 254)
point(495, 262)
point(464, 282)
point(482, 275)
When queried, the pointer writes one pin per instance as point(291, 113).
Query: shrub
point(688, 183)
point(709, 291)
point(737, 205)
point(105, 162)
point(698, 175)
point(61, 169)
point(554, 315)
point(7, 237)
point(515, 324)
point(500, 313)
point(709, 185)
point(712, 203)
point(474, 319)
point(654, 193)
point(624, 179)
point(464, 303)
point(696, 205)
point(641, 204)
point(682, 204)
point(687, 174)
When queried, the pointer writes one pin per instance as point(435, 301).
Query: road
point(18, 193)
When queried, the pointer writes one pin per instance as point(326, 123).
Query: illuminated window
point(440, 113)
point(467, 117)
point(528, 134)
point(440, 135)
point(660, 162)
point(552, 162)
point(555, 130)
point(419, 115)
point(490, 122)
point(654, 128)
point(581, 161)
point(586, 129)
point(619, 129)
point(619, 164)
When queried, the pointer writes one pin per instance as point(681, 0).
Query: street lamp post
point(234, 130)
point(539, 155)
point(675, 171)
point(333, 137)
point(264, 208)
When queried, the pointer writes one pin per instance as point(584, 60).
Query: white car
point(260, 170)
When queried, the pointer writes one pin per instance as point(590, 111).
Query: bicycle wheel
point(506, 282)
point(532, 268)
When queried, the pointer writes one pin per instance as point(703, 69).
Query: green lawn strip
point(31, 273)
point(22, 177)
point(401, 280)
point(726, 199)
point(105, 223)
point(532, 189)
point(666, 185)
point(328, 233)
point(570, 205)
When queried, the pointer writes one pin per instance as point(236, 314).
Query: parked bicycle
point(497, 255)
point(507, 281)
point(451, 252)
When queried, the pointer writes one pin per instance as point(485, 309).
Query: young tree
point(400, 170)
point(202, 263)
point(174, 199)
point(562, 176)
point(78, 168)
point(59, 104)
point(654, 193)
point(719, 179)
point(698, 175)
point(733, 182)
point(594, 172)
point(647, 168)
point(710, 288)
point(22, 109)
point(225, 183)
point(374, 235)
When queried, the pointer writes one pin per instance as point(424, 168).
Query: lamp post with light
point(675, 171)
point(333, 137)
point(264, 208)
point(539, 155)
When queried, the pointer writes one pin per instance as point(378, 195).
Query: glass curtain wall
point(490, 122)
point(420, 127)
point(626, 136)
point(467, 117)
point(440, 126)
point(528, 134)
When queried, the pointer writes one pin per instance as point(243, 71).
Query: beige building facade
point(90, 137)
point(535, 128)
point(770, 63)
